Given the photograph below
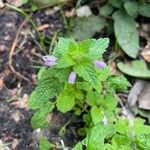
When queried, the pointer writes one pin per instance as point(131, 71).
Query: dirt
point(16, 132)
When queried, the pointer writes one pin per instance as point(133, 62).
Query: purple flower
point(72, 78)
point(99, 64)
point(49, 60)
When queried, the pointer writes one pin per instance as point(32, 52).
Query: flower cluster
point(51, 61)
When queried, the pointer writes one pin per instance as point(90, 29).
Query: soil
point(16, 132)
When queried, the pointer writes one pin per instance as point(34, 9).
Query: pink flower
point(99, 64)
point(72, 78)
point(49, 60)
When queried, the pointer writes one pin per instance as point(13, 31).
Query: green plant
point(124, 13)
point(76, 79)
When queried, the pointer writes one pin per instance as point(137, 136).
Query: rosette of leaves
point(91, 96)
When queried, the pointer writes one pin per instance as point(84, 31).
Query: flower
point(49, 60)
point(72, 78)
point(99, 64)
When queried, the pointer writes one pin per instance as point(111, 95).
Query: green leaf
point(84, 86)
point(62, 47)
point(139, 127)
point(39, 118)
point(103, 74)
point(87, 72)
point(43, 92)
point(137, 68)
point(93, 98)
point(44, 144)
point(122, 126)
point(115, 3)
point(131, 7)
point(96, 115)
point(119, 83)
point(95, 137)
point(65, 61)
point(24, 1)
point(78, 146)
point(126, 33)
point(143, 142)
point(66, 100)
point(99, 47)
point(106, 10)
point(46, 3)
point(122, 142)
point(109, 102)
point(84, 27)
point(144, 9)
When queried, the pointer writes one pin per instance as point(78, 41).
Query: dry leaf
point(42, 27)
point(144, 98)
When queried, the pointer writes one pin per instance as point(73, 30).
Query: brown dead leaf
point(144, 98)
point(16, 3)
point(1, 83)
point(146, 52)
point(42, 27)
point(22, 102)
point(14, 144)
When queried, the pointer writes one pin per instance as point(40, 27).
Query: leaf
point(47, 3)
point(44, 144)
point(87, 72)
point(65, 61)
point(143, 141)
point(66, 100)
point(86, 27)
point(39, 118)
point(122, 142)
point(139, 127)
point(109, 102)
point(95, 137)
point(62, 47)
point(103, 74)
point(137, 68)
point(93, 98)
point(96, 115)
point(126, 33)
point(106, 10)
point(115, 3)
point(78, 146)
point(144, 9)
point(43, 92)
point(119, 83)
point(131, 7)
point(99, 47)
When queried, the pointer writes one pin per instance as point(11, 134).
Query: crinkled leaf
point(137, 68)
point(86, 27)
point(62, 47)
point(87, 72)
point(126, 33)
point(119, 83)
point(143, 141)
point(96, 115)
point(95, 137)
point(65, 61)
point(99, 47)
point(43, 92)
point(39, 118)
point(131, 7)
point(93, 98)
point(66, 100)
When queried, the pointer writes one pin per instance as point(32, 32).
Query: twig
point(12, 51)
